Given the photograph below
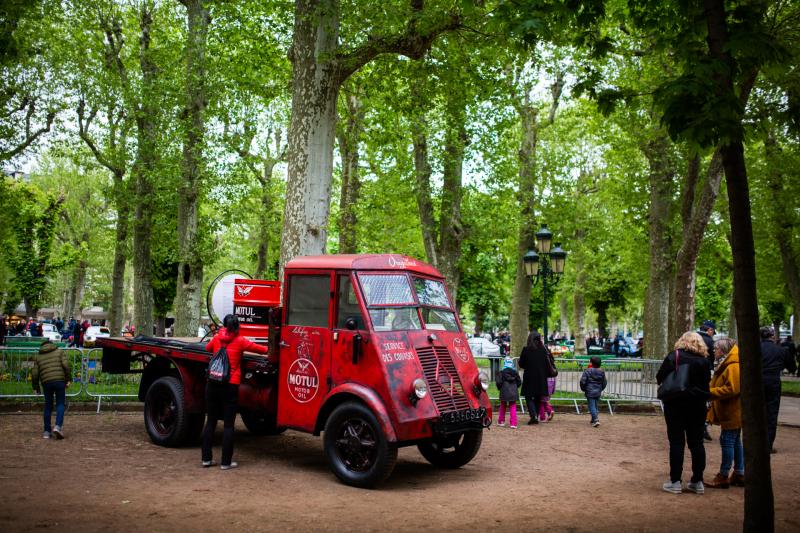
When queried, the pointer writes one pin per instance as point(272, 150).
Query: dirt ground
point(563, 476)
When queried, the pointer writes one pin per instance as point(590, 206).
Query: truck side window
point(309, 297)
point(347, 306)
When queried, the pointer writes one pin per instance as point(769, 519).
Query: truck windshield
point(390, 301)
point(435, 304)
point(391, 289)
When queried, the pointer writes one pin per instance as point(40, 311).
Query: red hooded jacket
point(234, 345)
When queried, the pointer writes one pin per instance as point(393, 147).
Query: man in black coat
point(788, 345)
point(773, 360)
point(707, 331)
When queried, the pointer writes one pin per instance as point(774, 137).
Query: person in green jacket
point(51, 369)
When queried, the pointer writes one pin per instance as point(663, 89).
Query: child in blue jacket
point(593, 382)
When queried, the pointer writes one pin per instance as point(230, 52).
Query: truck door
point(305, 354)
point(349, 332)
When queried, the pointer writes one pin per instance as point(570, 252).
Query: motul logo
point(244, 290)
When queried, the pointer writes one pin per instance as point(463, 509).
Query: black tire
point(356, 448)
point(165, 415)
point(452, 451)
point(261, 423)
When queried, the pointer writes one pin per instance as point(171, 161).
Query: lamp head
point(531, 262)
point(545, 238)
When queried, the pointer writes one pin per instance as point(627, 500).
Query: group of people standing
point(539, 384)
point(712, 395)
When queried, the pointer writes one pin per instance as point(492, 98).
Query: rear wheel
point(165, 415)
point(261, 423)
point(452, 451)
point(357, 449)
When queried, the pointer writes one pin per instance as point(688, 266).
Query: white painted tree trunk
point(312, 130)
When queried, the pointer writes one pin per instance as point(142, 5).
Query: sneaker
point(46, 435)
point(513, 427)
point(501, 424)
point(206, 464)
point(707, 435)
point(672, 486)
point(596, 423)
point(533, 422)
point(697, 488)
point(550, 416)
point(57, 432)
point(233, 464)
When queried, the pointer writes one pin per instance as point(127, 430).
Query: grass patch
point(790, 388)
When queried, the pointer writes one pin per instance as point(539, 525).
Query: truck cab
point(372, 353)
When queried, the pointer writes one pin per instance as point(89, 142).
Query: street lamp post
point(547, 265)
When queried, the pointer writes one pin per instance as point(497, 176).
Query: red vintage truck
point(364, 349)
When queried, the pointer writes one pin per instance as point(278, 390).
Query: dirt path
point(107, 476)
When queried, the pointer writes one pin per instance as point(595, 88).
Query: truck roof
point(363, 262)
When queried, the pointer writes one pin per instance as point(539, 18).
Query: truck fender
point(165, 366)
point(340, 393)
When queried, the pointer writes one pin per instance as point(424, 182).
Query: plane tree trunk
point(189, 288)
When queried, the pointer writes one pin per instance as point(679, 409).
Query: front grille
point(444, 384)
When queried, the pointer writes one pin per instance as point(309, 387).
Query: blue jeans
point(730, 440)
point(57, 389)
point(593, 407)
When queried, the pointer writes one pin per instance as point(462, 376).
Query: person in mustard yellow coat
point(726, 411)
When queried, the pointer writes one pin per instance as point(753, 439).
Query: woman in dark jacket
point(686, 415)
point(222, 399)
point(533, 360)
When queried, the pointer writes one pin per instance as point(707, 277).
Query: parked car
point(51, 333)
point(562, 348)
point(92, 333)
point(483, 347)
point(628, 348)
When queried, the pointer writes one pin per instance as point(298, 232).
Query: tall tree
point(662, 174)
point(349, 136)
point(320, 65)
point(113, 156)
point(189, 284)
point(27, 107)
point(144, 173)
point(531, 127)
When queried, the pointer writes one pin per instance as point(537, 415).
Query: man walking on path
point(773, 360)
point(51, 368)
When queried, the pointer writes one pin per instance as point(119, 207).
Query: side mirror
point(356, 348)
point(351, 323)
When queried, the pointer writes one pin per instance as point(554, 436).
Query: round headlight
point(483, 377)
point(420, 388)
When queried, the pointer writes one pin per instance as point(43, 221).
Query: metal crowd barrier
point(99, 385)
point(89, 382)
point(630, 380)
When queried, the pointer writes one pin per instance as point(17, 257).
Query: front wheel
point(356, 448)
point(165, 415)
point(452, 451)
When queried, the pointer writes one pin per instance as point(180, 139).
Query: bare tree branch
point(84, 122)
point(414, 43)
point(30, 136)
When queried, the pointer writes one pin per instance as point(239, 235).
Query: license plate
point(465, 415)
